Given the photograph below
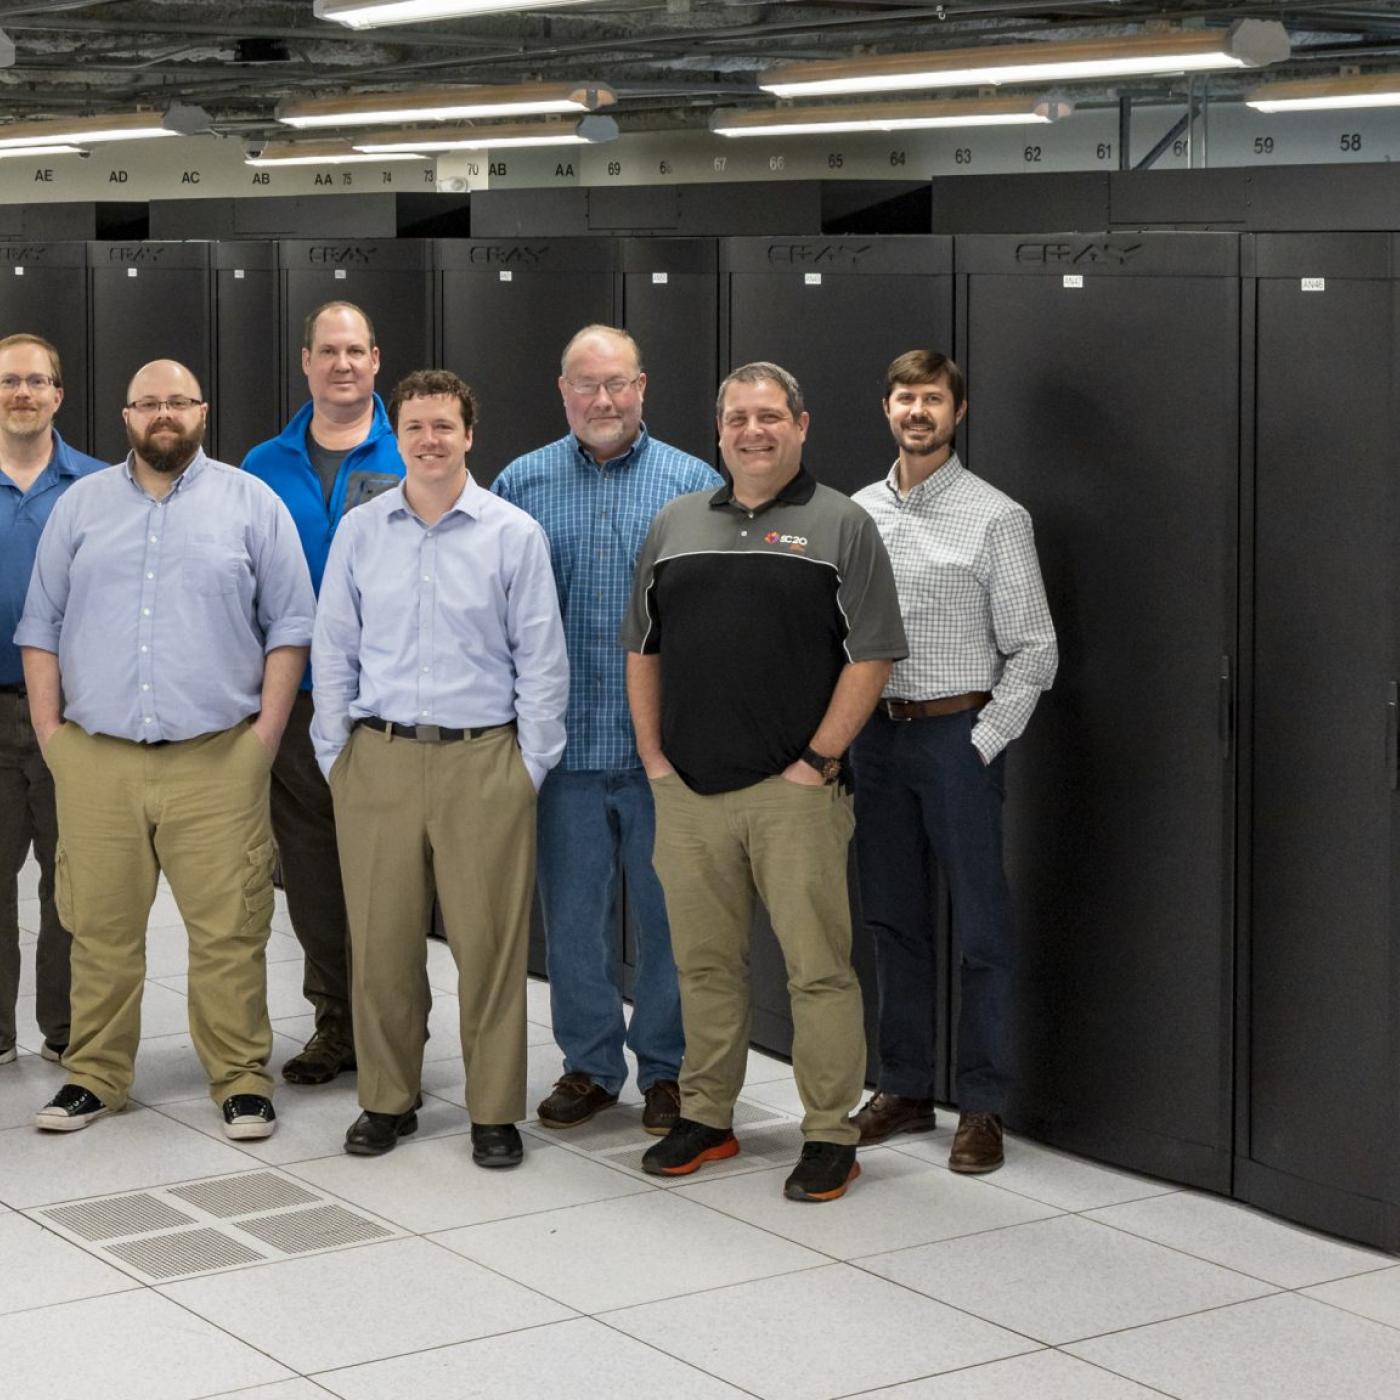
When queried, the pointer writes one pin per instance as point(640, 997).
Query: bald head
point(608, 339)
point(160, 379)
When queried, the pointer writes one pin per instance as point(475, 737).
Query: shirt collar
point(930, 486)
point(471, 500)
point(62, 459)
point(190, 474)
point(797, 492)
point(586, 458)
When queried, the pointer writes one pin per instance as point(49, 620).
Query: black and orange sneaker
point(823, 1172)
point(687, 1147)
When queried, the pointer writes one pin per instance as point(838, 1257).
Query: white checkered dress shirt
point(971, 594)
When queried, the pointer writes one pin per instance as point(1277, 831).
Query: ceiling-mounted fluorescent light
point(370, 14)
point(1248, 43)
point(589, 131)
point(446, 104)
point(42, 152)
point(1327, 94)
point(318, 153)
point(68, 131)
point(888, 116)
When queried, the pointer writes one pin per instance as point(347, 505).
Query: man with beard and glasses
point(337, 452)
point(36, 468)
point(929, 765)
point(164, 634)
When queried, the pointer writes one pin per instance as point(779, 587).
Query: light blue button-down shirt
point(454, 624)
point(596, 517)
point(161, 611)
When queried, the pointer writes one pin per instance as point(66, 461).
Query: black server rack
point(248, 403)
point(149, 301)
point(1317, 1082)
point(835, 312)
point(1103, 384)
point(509, 306)
point(670, 305)
point(43, 290)
point(391, 280)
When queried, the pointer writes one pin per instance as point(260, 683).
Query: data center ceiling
point(670, 61)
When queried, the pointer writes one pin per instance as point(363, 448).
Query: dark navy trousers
point(924, 798)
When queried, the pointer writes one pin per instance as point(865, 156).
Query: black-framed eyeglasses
point(176, 403)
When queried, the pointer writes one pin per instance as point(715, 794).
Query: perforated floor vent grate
point(325, 1227)
point(188, 1252)
point(241, 1195)
point(116, 1216)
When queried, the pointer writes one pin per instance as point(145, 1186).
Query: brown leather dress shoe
point(886, 1114)
point(977, 1144)
point(663, 1107)
point(574, 1099)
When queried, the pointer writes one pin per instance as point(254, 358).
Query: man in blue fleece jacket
point(336, 453)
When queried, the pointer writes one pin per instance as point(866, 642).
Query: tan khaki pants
point(457, 818)
point(197, 810)
point(785, 844)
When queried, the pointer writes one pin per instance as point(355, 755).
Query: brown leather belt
point(427, 733)
point(931, 709)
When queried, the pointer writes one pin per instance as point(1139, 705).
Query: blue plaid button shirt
point(596, 518)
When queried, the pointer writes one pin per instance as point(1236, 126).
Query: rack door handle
point(1392, 734)
point(1226, 717)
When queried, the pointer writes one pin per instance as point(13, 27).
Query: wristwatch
point(829, 768)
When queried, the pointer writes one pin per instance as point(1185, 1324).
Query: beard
point(928, 446)
point(173, 454)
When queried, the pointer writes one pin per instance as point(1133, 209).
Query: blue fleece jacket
point(284, 463)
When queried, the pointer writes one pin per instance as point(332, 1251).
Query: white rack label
point(132, 271)
point(19, 272)
point(340, 274)
point(238, 274)
point(1074, 279)
point(660, 279)
point(507, 276)
point(1314, 284)
point(812, 279)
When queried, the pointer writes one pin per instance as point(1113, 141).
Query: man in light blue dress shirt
point(164, 633)
point(595, 491)
point(440, 683)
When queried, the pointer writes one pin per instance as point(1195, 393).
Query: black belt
point(17, 688)
point(427, 733)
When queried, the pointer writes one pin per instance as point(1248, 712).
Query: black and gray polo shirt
point(754, 614)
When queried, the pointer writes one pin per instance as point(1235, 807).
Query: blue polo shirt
point(23, 515)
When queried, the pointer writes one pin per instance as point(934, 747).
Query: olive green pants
point(456, 818)
point(785, 844)
point(197, 810)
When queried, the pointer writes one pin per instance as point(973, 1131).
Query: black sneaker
point(53, 1052)
point(73, 1107)
point(687, 1147)
point(823, 1172)
point(249, 1116)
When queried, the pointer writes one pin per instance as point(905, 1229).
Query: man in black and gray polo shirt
point(763, 625)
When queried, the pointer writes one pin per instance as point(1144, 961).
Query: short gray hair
point(614, 331)
point(757, 373)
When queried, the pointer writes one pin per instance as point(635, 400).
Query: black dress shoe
point(497, 1145)
point(373, 1134)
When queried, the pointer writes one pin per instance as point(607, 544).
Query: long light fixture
point(68, 131)
point(480, 138)
point(1248, 43)
point(1327, 94)
point(447, 104)
point(318, 153)
point(42, 152)
point(889, 116)
point(370, 14)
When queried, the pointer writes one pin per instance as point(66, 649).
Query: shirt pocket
point(215, 563)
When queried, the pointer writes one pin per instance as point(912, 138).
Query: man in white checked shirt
point(929, 764)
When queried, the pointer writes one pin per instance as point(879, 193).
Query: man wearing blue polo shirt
point(36, 468)
point(337, 452)
point(595, 492)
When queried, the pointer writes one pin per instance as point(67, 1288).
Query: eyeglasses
point(35, 383)
point(176, 403)
point(588, 388)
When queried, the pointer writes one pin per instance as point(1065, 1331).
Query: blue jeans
point(923, 794)
point(586, 819)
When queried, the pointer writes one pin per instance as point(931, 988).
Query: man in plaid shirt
point(595, 491)
point(929, 765)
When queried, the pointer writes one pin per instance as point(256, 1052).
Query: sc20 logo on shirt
point(795, 543)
